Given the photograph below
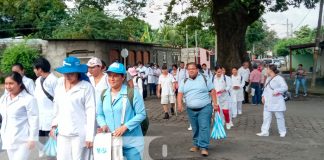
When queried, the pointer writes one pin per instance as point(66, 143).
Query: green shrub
point(19, 53)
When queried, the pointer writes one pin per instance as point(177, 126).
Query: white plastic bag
point(247, 88)
point(117, 148)
point(102, 146)
point(252, 91)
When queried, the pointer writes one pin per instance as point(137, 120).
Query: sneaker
point(283, 135)
point(296, 96)
point(190, 128)
point(262, 134)
point(166, 116)
point(305, 94)
point(194, 149)
point(228, 126)
point(204, 152)
point(240, 113)
point(231, 123)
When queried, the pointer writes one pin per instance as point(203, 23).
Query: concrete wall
point(305, 59)
point(188, 55)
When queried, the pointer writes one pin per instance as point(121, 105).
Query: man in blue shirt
point(198, 92)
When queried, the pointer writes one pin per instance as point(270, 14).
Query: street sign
point(124, 53)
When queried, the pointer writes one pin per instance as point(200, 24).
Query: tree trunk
point(231, 24)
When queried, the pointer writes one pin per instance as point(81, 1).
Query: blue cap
point(72, 65)
point(117, 68)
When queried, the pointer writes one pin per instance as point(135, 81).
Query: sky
point(277, 21)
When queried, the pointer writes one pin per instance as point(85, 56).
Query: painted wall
point(305, 59)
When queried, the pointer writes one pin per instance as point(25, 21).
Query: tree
point(21, 53)
point(32, 17)
point(132, 28)
point(89, 23)
point(231, 19)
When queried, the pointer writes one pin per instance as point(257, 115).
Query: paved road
point(304, 141)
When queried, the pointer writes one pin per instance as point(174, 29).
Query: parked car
point(277, 63)
point(267, 61)
point(282, 60)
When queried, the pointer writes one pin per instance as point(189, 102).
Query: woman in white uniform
point(223, 95)
point(274, 102)
point(237, 92)
point(18, 108)
point(137, 81)
point(74, 111)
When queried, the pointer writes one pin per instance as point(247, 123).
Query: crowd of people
point(91, 98)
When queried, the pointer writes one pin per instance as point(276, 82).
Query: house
point(203, 56)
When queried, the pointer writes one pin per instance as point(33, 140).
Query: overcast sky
point(276, 21)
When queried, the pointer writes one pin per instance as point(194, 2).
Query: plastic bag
point(218, 131)
point(102, 146)
point(50, 147)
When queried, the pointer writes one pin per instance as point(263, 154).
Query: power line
point(302, 20)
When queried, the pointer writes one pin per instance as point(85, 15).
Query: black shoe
point(172, 110)
point(166, 116)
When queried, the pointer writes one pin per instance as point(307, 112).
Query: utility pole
point(196, 51)
point(287, 29)
point(317, 42)
point(187, 45)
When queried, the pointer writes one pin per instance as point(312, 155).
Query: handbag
point(102, 146)
point(218, 131)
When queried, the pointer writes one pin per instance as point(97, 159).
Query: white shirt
point(157, 74)
point(100, 86)
point(207, 73)
point(151, 78)
point(237, 94)
point(182, 74)
point(45, 105)
point(166, 83)
point(245, 73)
point(138, 85)
point(276, 85)
point(29, 84)
point(238, 81)
point(19, 120)
point(219, 83)
point(74, 110)
point(143, 72)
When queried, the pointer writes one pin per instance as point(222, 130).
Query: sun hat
point(117, 68)
point(94, 62)
point(132, 71)
point(72, 65)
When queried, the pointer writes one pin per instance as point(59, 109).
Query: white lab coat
point(223, 98)
point(237, 94)
point(276, 85)
point(19, 120)
point(245, 73)
point(143, 72)
point(45, 105)
point(150, 78)
point(157, 73)
point(29, 84)
point(74, 111)
point(100, 87)
point(138, 85)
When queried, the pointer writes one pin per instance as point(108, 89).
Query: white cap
point(94, 62)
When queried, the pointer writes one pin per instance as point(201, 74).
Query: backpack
point(130, 95)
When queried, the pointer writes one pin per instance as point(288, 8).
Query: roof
point(306, 45)
point(107, 40)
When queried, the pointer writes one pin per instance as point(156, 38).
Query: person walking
point(167, 85)
point(143, 73)
point(98, 79)
point(198, 92)
point(301, 80)
point(206, 71)
point(237, 92)
point(274, 102)
point(255, 83)
point(222, 91)
point(19, 129)
point(120, 115)
point(44, 94)
point(151, 79)
point(138, 83)
point(74, 111)
point(244, 71)
point(29, 83)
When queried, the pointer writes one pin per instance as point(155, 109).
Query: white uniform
point(245, 73)
point(19, 124)
point(138, 84)
point(75, 118)
point(150, 77)
point(182, 74)
point(157, 73)
point(100, 86)
point(223, 99)
point(29, 84)
point(45, 105)
point(167, 94)
point(274, 104)
point(143, 72)
point(237, 94)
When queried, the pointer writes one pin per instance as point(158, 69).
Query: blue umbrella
point(218, 131)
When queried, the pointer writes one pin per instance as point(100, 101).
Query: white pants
point(69, 148)
point(237, 109)
point(267, 117)
point(20, 153)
